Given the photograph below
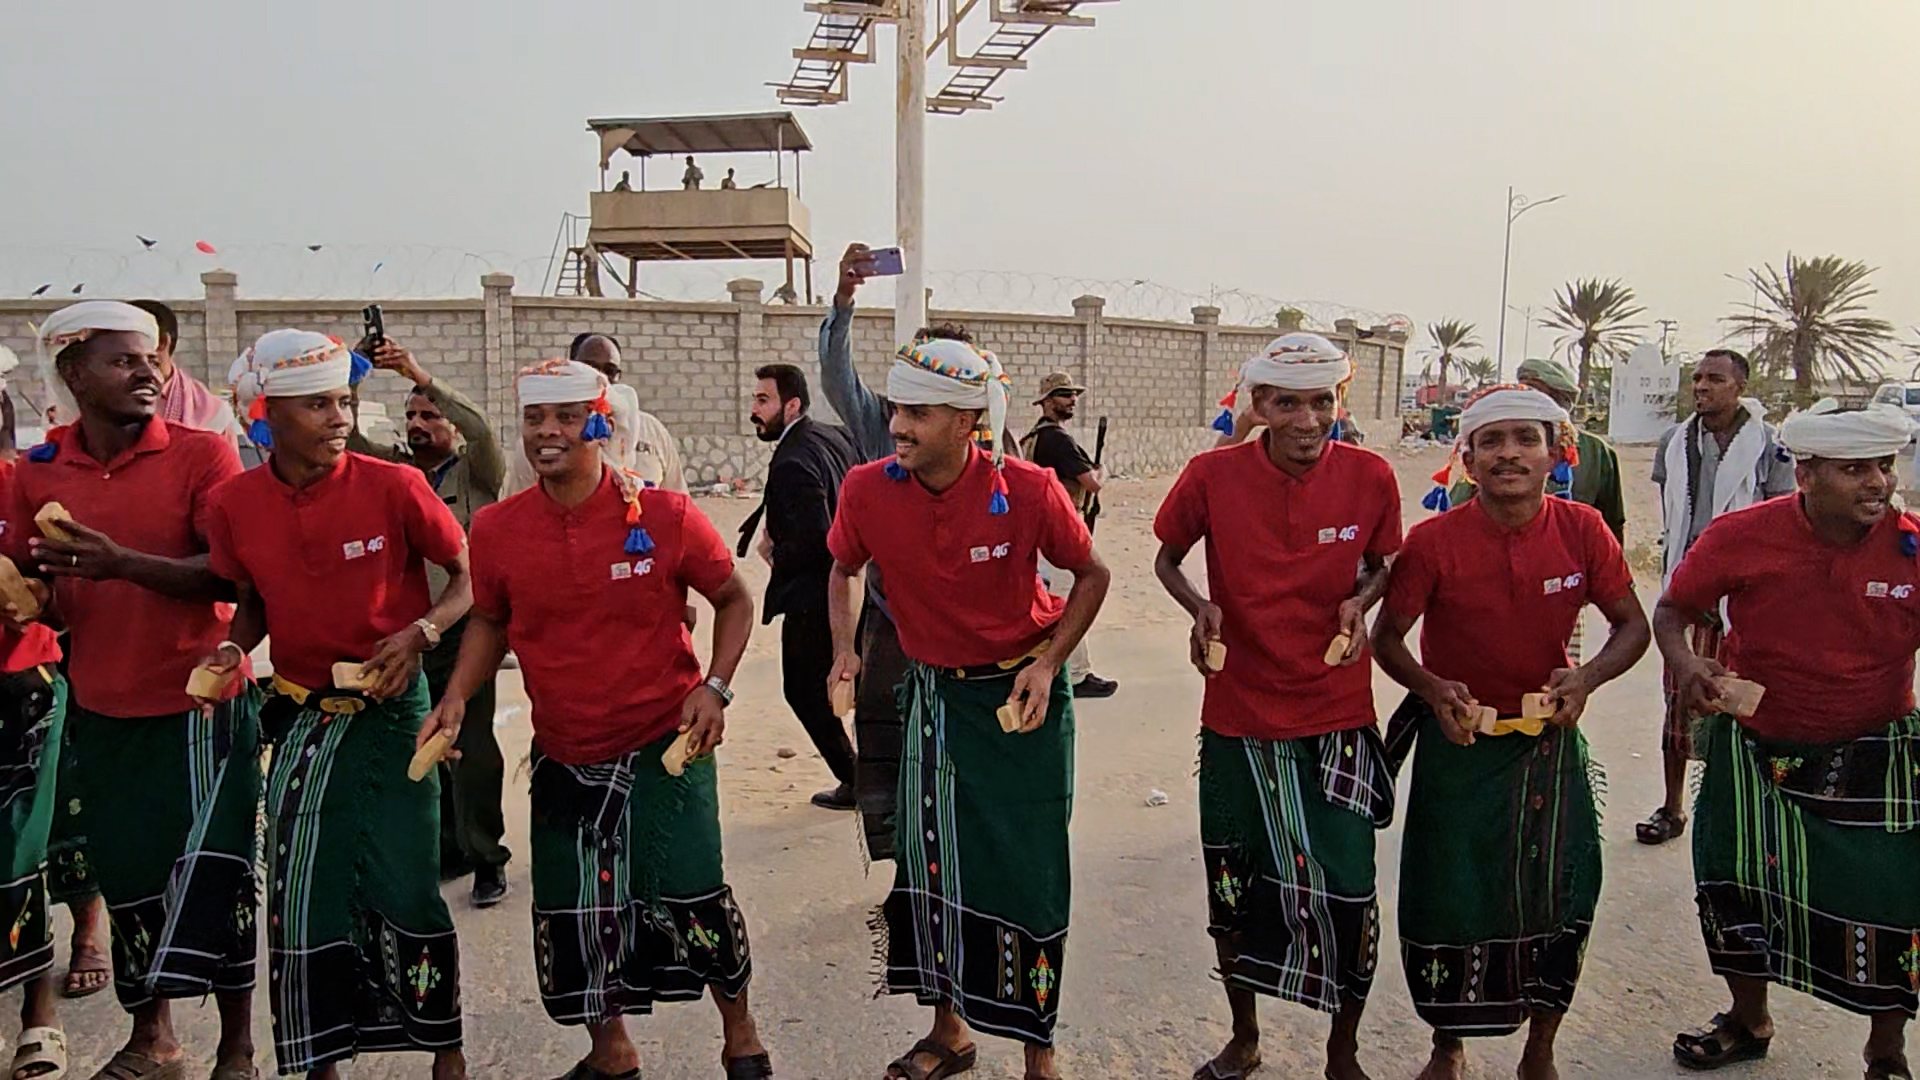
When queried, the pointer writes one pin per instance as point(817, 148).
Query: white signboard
point(1644, 389)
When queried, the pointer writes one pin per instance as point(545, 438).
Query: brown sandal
point(1661, 826)
point(946, 1062)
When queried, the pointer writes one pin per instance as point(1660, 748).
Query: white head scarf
point(945, 372)
point(1827, 431)
point(76, 323)
point(1297, 361)
point(560, 382)
point(1508, 403)
point(286, 363)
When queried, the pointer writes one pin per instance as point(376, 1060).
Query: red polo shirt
point(21, 647)
point(606, 658)
point(963, 584)
point(132, 648)
point(1500, 603)
point(340, 564)
point(1829, 631)
point(1282, 553)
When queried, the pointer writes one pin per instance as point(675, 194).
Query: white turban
point(1508, 403)
point(1825, 431)
point(560, 382)
point(290, 363)
point(943, 372)
point(76, 323)
point(1298, 361)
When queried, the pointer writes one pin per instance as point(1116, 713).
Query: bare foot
point(1449, 1061)
point(449, 1065)
point(1346, 1069)
point(1240, 1057)
point(1537, 1065)
point(89, 966)
point(1040, 1064)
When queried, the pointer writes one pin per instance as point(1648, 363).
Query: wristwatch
point(719, 686)
point(431, 631)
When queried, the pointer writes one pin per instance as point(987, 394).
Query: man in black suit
point(803, 490)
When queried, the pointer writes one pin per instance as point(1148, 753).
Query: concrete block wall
point(1158, 382)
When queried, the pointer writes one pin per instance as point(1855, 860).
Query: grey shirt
point(1775, 475)
point(864, 412)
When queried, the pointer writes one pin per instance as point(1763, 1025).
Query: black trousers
point(472, 823)
point(806, 659)
point(876, 724)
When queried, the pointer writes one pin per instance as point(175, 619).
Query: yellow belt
point(328, 703)
point(1511, 726)
point(982, 670)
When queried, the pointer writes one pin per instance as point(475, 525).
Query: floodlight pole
point(910, 171)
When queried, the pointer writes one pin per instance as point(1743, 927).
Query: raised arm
point(485, 461)
point(863, 411)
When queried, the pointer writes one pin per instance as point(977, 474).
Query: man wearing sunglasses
point(1050, 446)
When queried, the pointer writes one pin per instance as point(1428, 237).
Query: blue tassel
point(638, 542)
point(361, 368)
point(260, 435)
point(1781, 453)
point(998, 504)
point(1562, 473)
point(1910, 544)
point(43, 453)
point(597, 428)
point(1338, 432)
point(1437, 500)
point(894, 470)
point(1566, 494)
point(1224, 422)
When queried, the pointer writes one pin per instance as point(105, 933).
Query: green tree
point(1481, 369)
point(1290, 319)
point(1810, 323)
point(1596, 322)
point(1452, 337)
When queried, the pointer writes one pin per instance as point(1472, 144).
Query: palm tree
point(1594, 317)
point(1481, 369)
point(1809, 322)
point(1452, 337)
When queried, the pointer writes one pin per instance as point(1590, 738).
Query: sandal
point(1213, 1070)
point(1661, 826)
point(127, 1065)
point(235, 1072)
point(946, 1062)
point(1721, 1043)
point(583, 1071)
point(1889, 1068)
point(85, 982)
point(749, 1067)
point(42, 1055)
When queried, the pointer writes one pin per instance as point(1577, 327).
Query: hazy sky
point(1355, 151)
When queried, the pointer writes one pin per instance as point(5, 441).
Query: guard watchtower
point(704, 211)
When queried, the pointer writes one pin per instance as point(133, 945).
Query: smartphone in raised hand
point(885, 262)
point(375, 325)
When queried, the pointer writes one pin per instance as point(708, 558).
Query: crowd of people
point(936, 577)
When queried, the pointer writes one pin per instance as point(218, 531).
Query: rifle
point(1099, 451)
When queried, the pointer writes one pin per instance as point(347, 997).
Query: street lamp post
point(1516, 205)
point(1526, 334)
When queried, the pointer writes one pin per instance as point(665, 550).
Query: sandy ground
point(1139, 997)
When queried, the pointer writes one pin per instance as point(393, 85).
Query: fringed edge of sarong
point(882, 948)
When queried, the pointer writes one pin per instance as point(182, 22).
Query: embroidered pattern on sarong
point(630, 903)
point(1799, 852)
point(978, 913)
point(32, 716)
point(1287, 841)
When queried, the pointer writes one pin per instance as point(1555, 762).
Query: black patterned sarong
point(33, 707)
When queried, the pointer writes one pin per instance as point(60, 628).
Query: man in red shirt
point(1805, 851)
point(1288, 519)
point(1500, 863)
point(976, 923)
point(166, 793)
point(328, 551)
point(33, 707)
point(585, 576)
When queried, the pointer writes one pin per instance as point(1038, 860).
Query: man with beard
point(802, 492)
point(1293, 781)
point(166, 791)
point(1050, 446)
point(183, 398)
point(450, 441)
point(585, 577)
point(1725, 457)
point(1500, 862)
point(327, 550)
point(1805, 850)
point(976, 923)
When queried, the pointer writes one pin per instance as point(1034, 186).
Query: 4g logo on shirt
point(983, 553)
point(353, 549)
point(1560, 584)
point(1881, 590)
point(620, 571)
point(1330, 536)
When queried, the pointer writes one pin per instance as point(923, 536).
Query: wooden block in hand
point(1537, 707)
point(1740, 696)
point(347, 676)
point(1337, 650)
point(14, 591)
point(1486, 718)
point(430, 754)
point(842, 697)
point(676, 758)
point(1010, 718)
point(1216, 655)
point(49, 519)
point(208, 685)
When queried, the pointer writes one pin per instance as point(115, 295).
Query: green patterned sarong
point(33, 706)
point(977, 918)
point(1806, 863)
